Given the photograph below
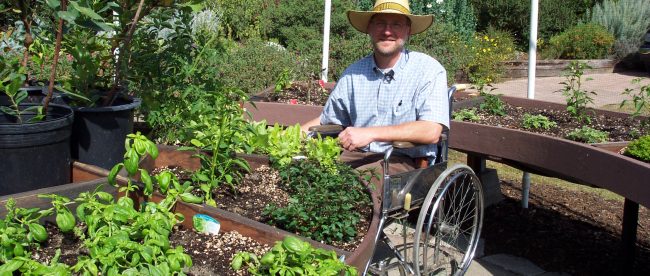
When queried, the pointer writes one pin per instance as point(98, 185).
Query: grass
point(509, 173)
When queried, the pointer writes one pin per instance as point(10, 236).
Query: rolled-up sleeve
point(432, 102)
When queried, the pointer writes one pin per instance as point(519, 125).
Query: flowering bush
point(584, 41)
point(488, 50)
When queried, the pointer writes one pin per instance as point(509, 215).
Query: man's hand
point(353, 138)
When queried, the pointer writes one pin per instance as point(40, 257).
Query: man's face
point(388, 33)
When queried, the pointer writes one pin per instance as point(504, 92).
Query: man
point(391, 95)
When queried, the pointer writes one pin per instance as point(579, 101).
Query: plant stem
point(55, 60)
point(123, 53)
point(24, 8)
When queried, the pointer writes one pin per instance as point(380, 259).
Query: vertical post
point(532, 48)
point(525, 190)
point(532, 65)
point(326, 40)
point(628, 236)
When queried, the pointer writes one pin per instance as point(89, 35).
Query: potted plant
point(98, 43)
point(34, 138)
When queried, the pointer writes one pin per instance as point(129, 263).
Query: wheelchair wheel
point(449, 224)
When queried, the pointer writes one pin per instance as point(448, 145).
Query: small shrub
point(323, 205)
point(537, 122)
point(493, 105)
point(241, 17)
point(514, 16)
point(348, 50)
point(466, 114)
point(576, 98)
point(445, 45)
point(587, 135)
point(639, 148)
point(255, 65)
point(627, 20)
point(584, 41)
point(488, 50)
point(457, 14)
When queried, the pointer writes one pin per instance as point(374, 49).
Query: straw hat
point(360, 19)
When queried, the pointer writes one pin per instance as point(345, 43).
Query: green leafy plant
point(137, 146)
point(583, 41)
point(292, 256)
point(325, 151)
point(214, 137)
point(640, 99)
point(537, 122)
point(284, 144)
point(12, 77)
point(466, 114)
point(513, 16)
point(449, 47)
point(20, 231)
point(639, 148)
point(123, 240)
point(492, 103)
point(577, 99)
point(587, 135)
point(323, 205)
point(283, 81)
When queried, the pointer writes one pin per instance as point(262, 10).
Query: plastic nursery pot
point(35, 155)
point(98, 133)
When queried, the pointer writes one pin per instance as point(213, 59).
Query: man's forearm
point(313, 122)
point(421, 132)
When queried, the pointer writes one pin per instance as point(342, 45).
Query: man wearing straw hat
point(392, 94)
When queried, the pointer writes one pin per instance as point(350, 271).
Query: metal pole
point(525, 190)
point(532, 65)
point(326, 40)
point(532, 48)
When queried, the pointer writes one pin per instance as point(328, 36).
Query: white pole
point(532, 48)
point(532, 65)
point(326, 40)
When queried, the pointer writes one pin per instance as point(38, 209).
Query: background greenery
point(220, 46)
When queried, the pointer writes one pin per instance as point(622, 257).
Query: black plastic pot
point(98, 133)
point(35, 155)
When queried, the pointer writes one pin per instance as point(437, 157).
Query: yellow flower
point(486, 37)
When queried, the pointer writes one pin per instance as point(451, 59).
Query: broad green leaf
point(54, 4)
point(146, 179)
point(68, 16)
point(85, 11)
point(131, 161)
point(113, 174)
point(152, 149)
point(10, 266)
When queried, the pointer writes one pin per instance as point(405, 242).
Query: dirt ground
point(564, 230)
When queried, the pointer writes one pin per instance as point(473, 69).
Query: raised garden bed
point(356, 255)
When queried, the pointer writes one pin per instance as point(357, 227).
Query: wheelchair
point(448, 202)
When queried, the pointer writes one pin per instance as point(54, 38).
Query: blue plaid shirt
point(414, 89)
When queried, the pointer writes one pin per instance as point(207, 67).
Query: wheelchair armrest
point(325, 130)
point(408, 145)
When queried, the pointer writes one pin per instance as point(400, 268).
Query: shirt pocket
point(403, 111)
